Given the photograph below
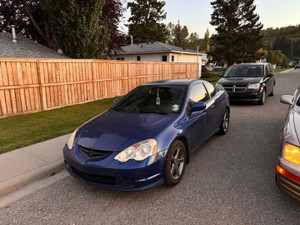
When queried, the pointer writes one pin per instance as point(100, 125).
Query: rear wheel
point(175, 163)
point(225, 123)
point(263, 97)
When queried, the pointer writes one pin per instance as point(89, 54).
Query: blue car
point(147, 137)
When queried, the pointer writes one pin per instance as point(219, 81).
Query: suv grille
point(92, 153)
point(235, 88)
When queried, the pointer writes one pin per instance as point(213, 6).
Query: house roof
point(154, 47)
point(24, 48)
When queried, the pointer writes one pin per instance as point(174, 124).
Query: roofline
point(158, 52)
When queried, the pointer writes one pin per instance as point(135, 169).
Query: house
point(159, 52)
point(23, 47)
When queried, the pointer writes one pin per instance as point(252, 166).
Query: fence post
point(40, 85)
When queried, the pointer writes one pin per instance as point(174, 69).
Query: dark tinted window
point(198, 93)
point(211, 89)
point(164, 58)
point(138, 58)
point(244, 71)
point(153, 99)
point(172, 58)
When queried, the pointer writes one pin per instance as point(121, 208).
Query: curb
point(12, 184)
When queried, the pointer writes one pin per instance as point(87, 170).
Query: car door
point(214, 108)
point(269, 81)
point(197, 129)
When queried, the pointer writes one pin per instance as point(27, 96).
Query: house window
point(121, 59)
point(138, 58)
point(164, 58)
point(173, 58)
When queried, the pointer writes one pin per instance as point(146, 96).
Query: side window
point(267, 70)
point(271, 68)
point(198, 93)
point(211, 89)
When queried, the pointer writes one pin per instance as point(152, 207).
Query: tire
point(263, 98)
point(225, 122)
point(175, 163)
point(273, 91)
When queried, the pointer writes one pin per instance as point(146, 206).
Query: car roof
point(184, 82)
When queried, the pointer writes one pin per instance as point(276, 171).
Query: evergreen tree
point(144, 22)
point(180, 36)
point(238, 28)
point(77, 27)
point(206, 41)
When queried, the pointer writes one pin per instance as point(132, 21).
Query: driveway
point(230, 180)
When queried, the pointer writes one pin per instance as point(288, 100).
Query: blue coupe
point(147, 137)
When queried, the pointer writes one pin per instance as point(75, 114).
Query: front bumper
point(111, 174)
point(246, 95)
point(288, 179)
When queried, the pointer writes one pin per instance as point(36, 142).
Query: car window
point(153, 99)
point(211, 89)
point(267, 70)
point(244, 71)
point(199, 93)
point(271, 68)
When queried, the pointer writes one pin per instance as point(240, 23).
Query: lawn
point(281, 70)
point(20, 131)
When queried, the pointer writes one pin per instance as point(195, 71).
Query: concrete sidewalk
point(28, 164)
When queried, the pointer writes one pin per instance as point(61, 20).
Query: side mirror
point(270, 75)
point(116, 101)
point(198, 106)
point(286, 99)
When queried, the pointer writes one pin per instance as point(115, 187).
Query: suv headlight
point(254, 86)
point(139, 151)
point(291, 153)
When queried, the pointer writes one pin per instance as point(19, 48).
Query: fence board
point(32, 85)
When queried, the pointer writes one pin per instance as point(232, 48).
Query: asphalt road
point(230, 180)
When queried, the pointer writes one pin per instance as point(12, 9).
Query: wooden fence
point(33, 85)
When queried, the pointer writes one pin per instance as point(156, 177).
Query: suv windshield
point(244, 71)
point(153, 99)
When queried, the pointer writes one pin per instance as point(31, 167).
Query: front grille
point(94, 177)
point(235, 88)
point(93, 153)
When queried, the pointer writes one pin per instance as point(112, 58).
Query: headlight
point(138, 151)
point(70, 142)
point(291, 153)
point(254, 86)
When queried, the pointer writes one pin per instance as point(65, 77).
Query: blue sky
point(195, 14)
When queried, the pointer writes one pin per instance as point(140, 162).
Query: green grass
point(212, 79)
point(20, 131)
point(281, 70)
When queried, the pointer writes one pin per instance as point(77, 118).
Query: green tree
point(144, 22)
point(206, 41)
point(276, 57)
point(77, 27)
point(238, 31)
point(180, 35)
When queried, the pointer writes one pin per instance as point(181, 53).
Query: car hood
point(239, 80)
point(114, 131)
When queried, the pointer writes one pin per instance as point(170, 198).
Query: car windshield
point(244, 71)
point(153, 99)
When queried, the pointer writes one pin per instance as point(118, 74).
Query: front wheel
point(175, 163)
point(225, 123)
